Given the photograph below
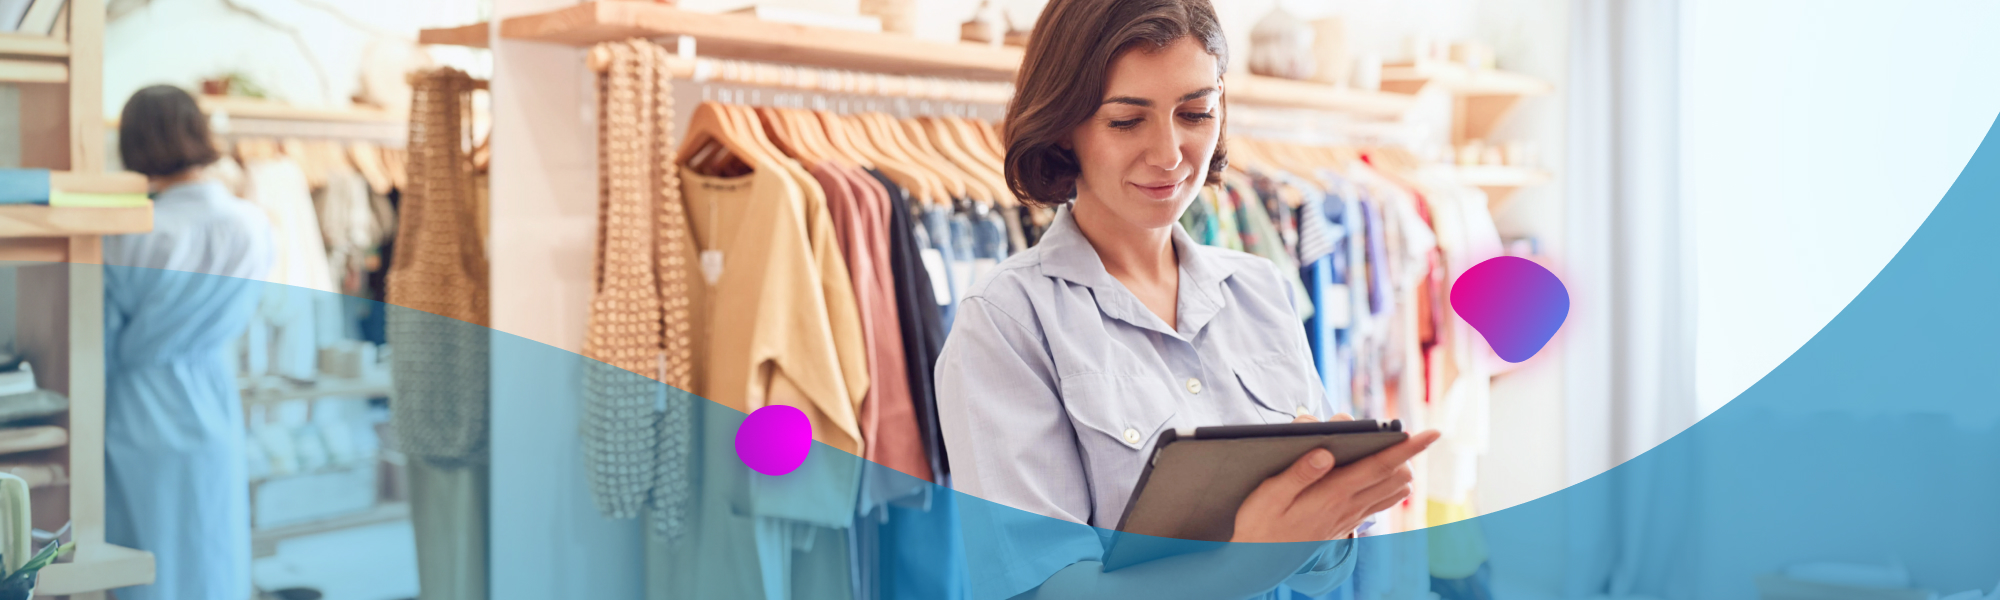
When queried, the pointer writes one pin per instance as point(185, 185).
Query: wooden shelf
point(1500, 183)
point(747, 38)
point(261, 109)
point(1272, 91)
point(1482, 98)
point(277, 390)
point(264, 542)
point(471, 36)
point(15, 44)
point(33, 71)
point(96, 567)
point(37, 221)
point(1460, 80)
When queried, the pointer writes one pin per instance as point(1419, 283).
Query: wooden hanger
point(921, 143)
point(971, 139)
point(711, 132)
point(396, 161)
point(780, 132)
point(836, 138)
point(847, 132)
point(814, 132)
point(892, 135)
point(932, 188)
point(992, 136)
point(941, 137)
point(367, 159)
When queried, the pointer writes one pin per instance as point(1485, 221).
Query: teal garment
point(1261, 237)
point(176, 483)
point(754, 536)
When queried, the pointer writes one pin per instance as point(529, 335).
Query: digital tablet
point(1196, 478)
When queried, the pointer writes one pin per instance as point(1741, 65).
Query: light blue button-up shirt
point(1055, 381)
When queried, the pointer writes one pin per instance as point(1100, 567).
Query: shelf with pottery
point(744, 37)
point(470, 36)
point(1482, 98)
point(1499, 182)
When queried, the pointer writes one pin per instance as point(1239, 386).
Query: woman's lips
point(1159, 192)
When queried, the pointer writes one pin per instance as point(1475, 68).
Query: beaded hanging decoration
point(437, 284)
point(676, 247)
point(620, 424)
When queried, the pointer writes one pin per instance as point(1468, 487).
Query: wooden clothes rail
point(830, 81)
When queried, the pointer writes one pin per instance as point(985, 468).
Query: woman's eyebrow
point(1144, 103)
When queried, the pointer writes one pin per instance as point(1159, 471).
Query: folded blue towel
point(24, 186)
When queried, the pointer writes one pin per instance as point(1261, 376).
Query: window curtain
point(1630, 371)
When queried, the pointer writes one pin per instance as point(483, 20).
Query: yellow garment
point(775, 317)
point(842, 309)
point(1457, 551)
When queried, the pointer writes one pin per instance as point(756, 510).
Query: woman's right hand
point(1315, 500)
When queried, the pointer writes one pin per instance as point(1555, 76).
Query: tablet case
point(1194, 481)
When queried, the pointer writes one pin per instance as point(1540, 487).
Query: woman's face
point(1145, 153)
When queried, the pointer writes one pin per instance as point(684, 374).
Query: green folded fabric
point(89, 200)
point(32, 405)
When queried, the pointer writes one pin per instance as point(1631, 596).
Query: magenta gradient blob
point(1514, 302)
point(774, 440)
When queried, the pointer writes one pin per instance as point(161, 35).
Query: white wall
point(543, 224)
point(305, 52)
point(1818, 136)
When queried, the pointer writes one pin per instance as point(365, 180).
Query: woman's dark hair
point(1061, 82)
point(162, 132)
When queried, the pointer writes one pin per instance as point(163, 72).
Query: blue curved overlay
point(1876, 442)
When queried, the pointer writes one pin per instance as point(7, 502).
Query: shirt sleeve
point(1013, 452)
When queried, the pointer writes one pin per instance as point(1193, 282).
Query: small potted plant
point(17, 568)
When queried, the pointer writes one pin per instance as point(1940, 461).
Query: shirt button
point(1131, 436)
point(1194, 385)
point(1304, 412)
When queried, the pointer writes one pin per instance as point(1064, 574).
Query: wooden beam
point(14, 251)
point(32, 71)
point(86, 89)
point(16, 44)
point(748, 38)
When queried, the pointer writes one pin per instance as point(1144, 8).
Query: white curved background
point(1817, 136)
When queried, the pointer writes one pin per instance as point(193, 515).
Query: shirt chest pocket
point(1116, 418)
point(1282, 388)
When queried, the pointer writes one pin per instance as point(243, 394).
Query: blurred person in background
point(174, 299)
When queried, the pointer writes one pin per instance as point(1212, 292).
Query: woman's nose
point(1163, 148)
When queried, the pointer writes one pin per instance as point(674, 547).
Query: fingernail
point(1321, 459)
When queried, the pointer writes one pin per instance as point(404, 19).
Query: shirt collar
point(1067, 255)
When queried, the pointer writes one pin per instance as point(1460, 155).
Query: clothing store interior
point(501, 164)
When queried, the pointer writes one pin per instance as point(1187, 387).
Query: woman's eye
point(1125, 124)
point(1197, 117)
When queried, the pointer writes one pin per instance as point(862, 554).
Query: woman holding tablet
point(1065, 364)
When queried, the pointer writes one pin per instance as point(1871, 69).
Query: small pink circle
point(774, 440)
